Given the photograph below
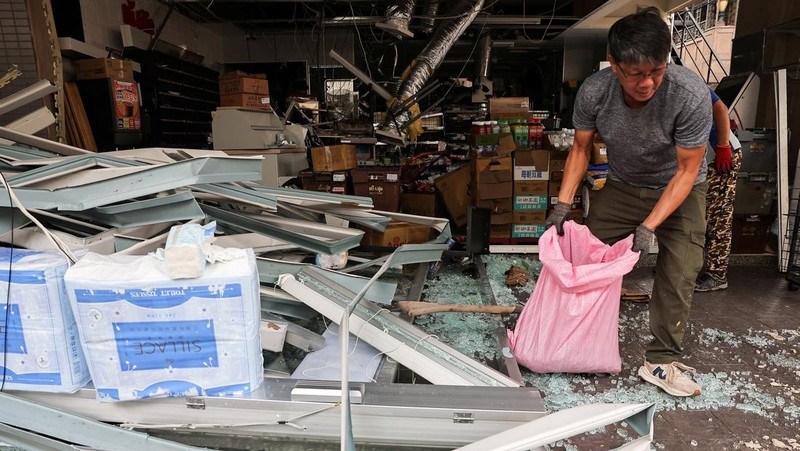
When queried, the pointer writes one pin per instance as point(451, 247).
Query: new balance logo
point(659, 373)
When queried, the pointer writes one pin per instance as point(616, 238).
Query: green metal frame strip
point(146, 182)
point(300, 233)
point(176, 207)
point(242, 194)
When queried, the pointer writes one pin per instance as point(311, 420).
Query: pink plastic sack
point(570, 323)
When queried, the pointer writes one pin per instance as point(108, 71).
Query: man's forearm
point(673, 196)
point(574, 171)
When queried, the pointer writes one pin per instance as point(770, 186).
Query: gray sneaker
point(707, 282)
point(670, 377)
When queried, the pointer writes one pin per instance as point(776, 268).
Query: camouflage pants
point(719, 216)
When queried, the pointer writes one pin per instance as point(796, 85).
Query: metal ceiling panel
point(241, 194)
point(402, 341)
point(570, 422)
point(385, 418)
point(41, 143)
point(176, 207)
point(151, 180)
point(26, 95)
point(22, 413)
point(381, 292)
point(22, 439)
point(33, 122)
point(62, 167)
point(23, 155)
point(11, 218)
point(314, 199)
point(307, 235)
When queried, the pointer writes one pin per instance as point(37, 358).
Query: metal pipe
point(397, 18)
point(447, 33)
point(429, 11)
point(484, 57)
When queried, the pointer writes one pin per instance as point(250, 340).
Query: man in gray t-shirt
point(655, 119)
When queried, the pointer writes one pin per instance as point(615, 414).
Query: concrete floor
point(744, 343)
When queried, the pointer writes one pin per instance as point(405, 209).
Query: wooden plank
point(81, 120)
point(73, 136)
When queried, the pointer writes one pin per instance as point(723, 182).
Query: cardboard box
point(558, 159)
point(503, 205)
point(420, 204)
point(531, 165)
point(382, 184)
point(492, 169)
point(535, 202)
point(501, 218)
point(89, 69)
point(506, 105)
point(529, 217)
point(527, 230)
point(326, 182)
point(243, 85)
point(500, 231)
point(396, 234)
point(246, 100)
point(453, 189)
point(531, 187)
point(511, 116)
point(599, 153)
point(493, 178)
point(339, 157)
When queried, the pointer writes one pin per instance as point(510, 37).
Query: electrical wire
point(548, 23)
point(8, 290)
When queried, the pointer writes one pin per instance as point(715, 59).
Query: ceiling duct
point(421, 69)
point(430, 10)
point(483, 84)
point(398, 15)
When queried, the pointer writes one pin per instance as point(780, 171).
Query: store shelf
point(178, 98)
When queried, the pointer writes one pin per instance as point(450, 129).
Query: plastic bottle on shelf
point(495, 127)
point(535, 134)
point(520, 131)
point(504, 126)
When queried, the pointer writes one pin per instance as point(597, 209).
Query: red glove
point(723, 159)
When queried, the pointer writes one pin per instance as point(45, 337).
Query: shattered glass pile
point(750, 376)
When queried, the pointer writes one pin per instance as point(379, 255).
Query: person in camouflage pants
point(719, 200)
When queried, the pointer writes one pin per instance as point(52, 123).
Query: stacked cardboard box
point(396, 234)
point(241, 89)
point(493, 181)
point(509, 108)
point(337, 182)
point(454, 189)
point(90, 69)
point(340, 157)
point(531, 176)
point(382, 184)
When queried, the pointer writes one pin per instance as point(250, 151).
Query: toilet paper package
point(39, 344)
point(146, 335)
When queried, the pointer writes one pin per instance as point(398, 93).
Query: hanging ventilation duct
point(421, 69)
point(397, 18)
point(483, 85)
point(429, 11)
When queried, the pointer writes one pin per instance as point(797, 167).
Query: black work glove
point(642, 238)
point(558, 216)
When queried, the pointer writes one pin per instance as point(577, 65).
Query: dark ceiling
point(535, 20)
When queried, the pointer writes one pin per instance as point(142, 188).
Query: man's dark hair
point(639, 38)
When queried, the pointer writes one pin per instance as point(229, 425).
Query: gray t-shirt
point(641, 142)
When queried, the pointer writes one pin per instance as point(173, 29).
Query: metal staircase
point(687, 32)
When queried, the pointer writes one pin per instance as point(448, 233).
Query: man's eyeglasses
point(655, 73)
